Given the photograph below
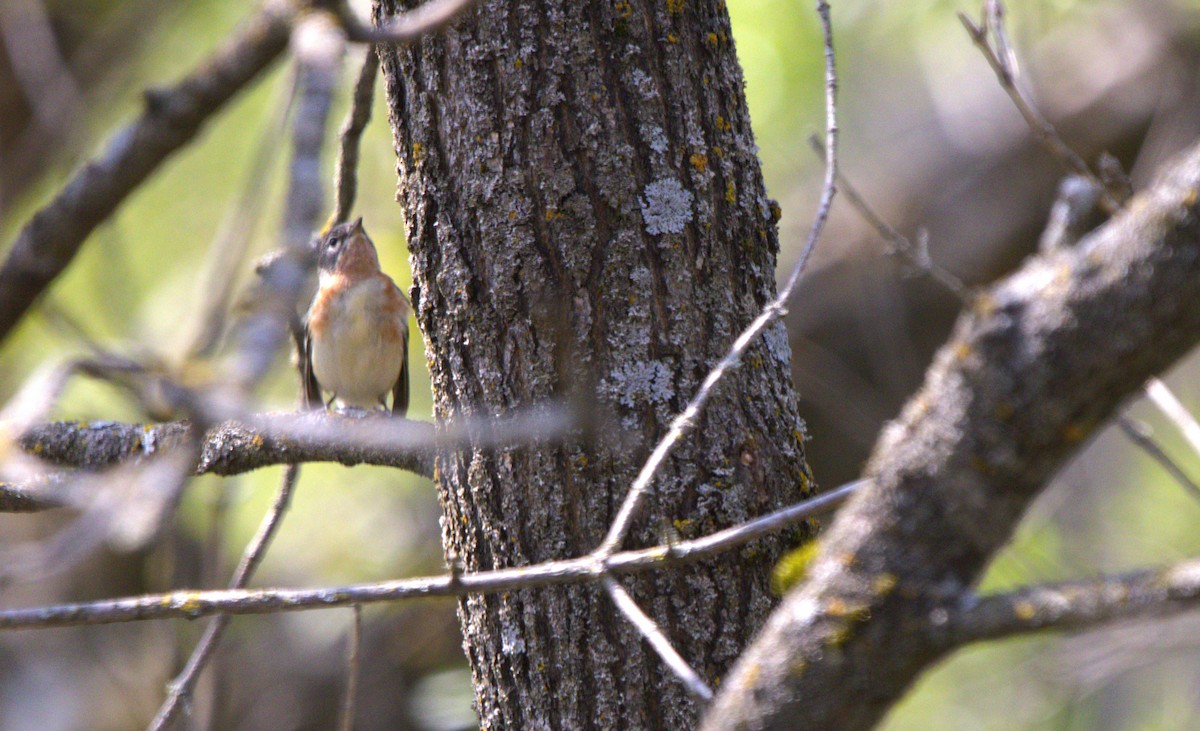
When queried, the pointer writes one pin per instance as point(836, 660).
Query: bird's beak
point(357, 227)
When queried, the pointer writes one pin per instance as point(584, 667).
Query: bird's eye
point(333, 243)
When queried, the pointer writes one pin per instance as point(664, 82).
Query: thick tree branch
point(1045, 357)
point(230, 448)
point(171, 119)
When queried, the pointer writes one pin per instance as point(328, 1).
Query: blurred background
point(930, 140)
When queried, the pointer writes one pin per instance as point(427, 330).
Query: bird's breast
point(357, 341)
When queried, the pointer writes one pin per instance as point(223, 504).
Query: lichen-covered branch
point(171, 119)
point(231, 447)
point(1073, 605)
point(1041, 361)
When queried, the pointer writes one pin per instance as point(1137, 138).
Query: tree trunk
point(588, 225)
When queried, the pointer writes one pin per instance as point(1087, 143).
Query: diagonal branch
point(346, 178)
point(180, 688)
point(1041, 361)
point(1002, 59)
point(657, 639)
point(171, 119)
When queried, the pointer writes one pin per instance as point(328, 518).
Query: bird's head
point(346, 249)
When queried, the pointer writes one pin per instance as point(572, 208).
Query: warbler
point(356, 331)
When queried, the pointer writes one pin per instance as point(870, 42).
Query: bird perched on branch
point(356, 331)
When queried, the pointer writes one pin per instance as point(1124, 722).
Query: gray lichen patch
point(775, 339)
point(636, 383)
point(666, 207)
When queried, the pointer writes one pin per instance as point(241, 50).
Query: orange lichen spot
point(257, 441)
point(518, 64)
point(672, 38)
point(962, 351)
point(1062, 275)
point(776, 212)
point(675, 7)
point(847, 559)
point(512, 215)
point(723, 124)
point(1073, 432)
point(730, 192)
point(1025, 611)
point(750, 676)
point(552, 214)
point(984, 305)
point(418, 153)
point(883, 584)
point(699, 161)
point(718, 152)
point(187, 602)
point(711, 39)
point(836, 607)
point(624, 9)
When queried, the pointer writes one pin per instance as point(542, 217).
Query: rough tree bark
point(587, 222)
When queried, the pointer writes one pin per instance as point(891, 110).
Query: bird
point(356, 330)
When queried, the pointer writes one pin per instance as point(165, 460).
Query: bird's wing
point(400, 390)
point(311, 390)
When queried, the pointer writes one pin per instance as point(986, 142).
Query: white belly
point(351, 360)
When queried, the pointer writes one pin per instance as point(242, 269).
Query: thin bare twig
point(650, 630)
point(1140, 434)
point(1002, 60)
point(405, 28)
point(180, 689)
point(37, 63)
point(686, 420)
point(171, 119)
point(233, 239)
point(195, 604)
point(916, 254)
point(353, 668)
point(346, 175)
point(1171, 407)
point(273, 304)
